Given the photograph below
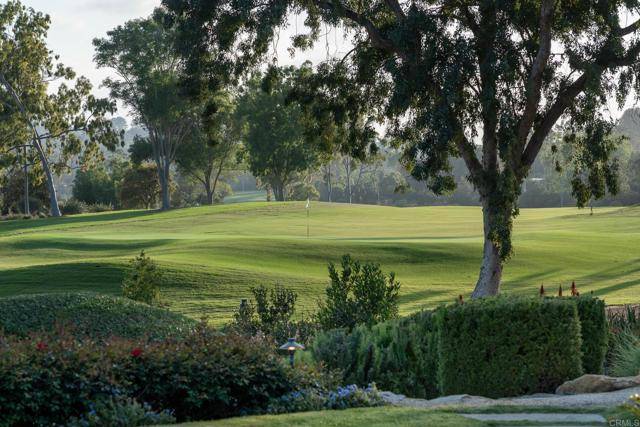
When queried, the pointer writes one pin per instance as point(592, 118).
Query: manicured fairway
point(213, 255)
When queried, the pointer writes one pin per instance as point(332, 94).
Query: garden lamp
point(291, 346)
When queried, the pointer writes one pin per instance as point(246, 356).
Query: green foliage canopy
point(484, 81)
point(276, 145)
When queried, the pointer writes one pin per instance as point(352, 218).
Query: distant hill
point(629, 126)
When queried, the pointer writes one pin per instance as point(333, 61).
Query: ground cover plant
point(212, 256)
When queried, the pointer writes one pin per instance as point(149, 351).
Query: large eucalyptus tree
point(484, 80)
point(55, 124)
point(148, 71)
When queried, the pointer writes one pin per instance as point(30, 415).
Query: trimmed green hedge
point(494, 347)
point(92, 315)
point(593, 323)
point(498, 347)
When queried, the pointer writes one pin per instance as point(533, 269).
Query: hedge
point(594, 331)
point(494, 347)
point(90, 315)
point(501, 346)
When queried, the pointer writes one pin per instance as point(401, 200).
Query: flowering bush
point(314, 399)
point(121, 412)
point(49, 379)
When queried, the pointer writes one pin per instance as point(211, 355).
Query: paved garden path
point(566, 419)
point(609, 399)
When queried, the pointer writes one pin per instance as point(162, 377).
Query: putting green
point(213, 255)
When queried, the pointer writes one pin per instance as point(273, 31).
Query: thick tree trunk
point(164, 174)
point(349, 181)
point(329, 184)
point(215, 183)
point(209, 194)
point(53, 195)
point(54, 206)
point(27, 209)
point(491, 270)
point(278, 192)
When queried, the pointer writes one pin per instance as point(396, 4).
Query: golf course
point(212, 256)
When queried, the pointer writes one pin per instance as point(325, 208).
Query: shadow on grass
point(87, 246)
point(99, 277)
point(26, 225)
point(531, 278)
point(421, 296)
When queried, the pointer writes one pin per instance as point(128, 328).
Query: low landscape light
point(291, 346)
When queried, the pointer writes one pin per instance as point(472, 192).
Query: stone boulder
point(597, 384)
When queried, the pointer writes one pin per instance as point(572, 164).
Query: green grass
point(247, 196)
point(214, 254)
point(366, 417)
point(88, 314)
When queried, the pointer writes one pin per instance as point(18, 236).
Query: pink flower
point(42, 346)
point(136, 352)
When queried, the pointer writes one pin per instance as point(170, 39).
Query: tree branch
point(564, 100)
point(377, 39)
point(568, 96)
point(534, 83)
point(628, 29)
point(396, 8)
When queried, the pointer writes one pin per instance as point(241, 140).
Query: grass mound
point(88, 314)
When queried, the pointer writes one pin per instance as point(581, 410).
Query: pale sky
point(75, 23)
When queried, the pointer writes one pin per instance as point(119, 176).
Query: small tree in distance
point(140, 187)
point(142, 282)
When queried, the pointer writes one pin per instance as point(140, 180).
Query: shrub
point(73, 207)
point(99, 207)
point(121, 412)
point(594, 332)
point(501, 346)
point(315, 399)
point(634, 405)
point(627, 414)
point(398, 355)
point(142, 282)
point(90, 315)
point(624, 318)
point(359, 294)
point(47, 379)
point(406, 359)
point(271, 313)
point(626, 355)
